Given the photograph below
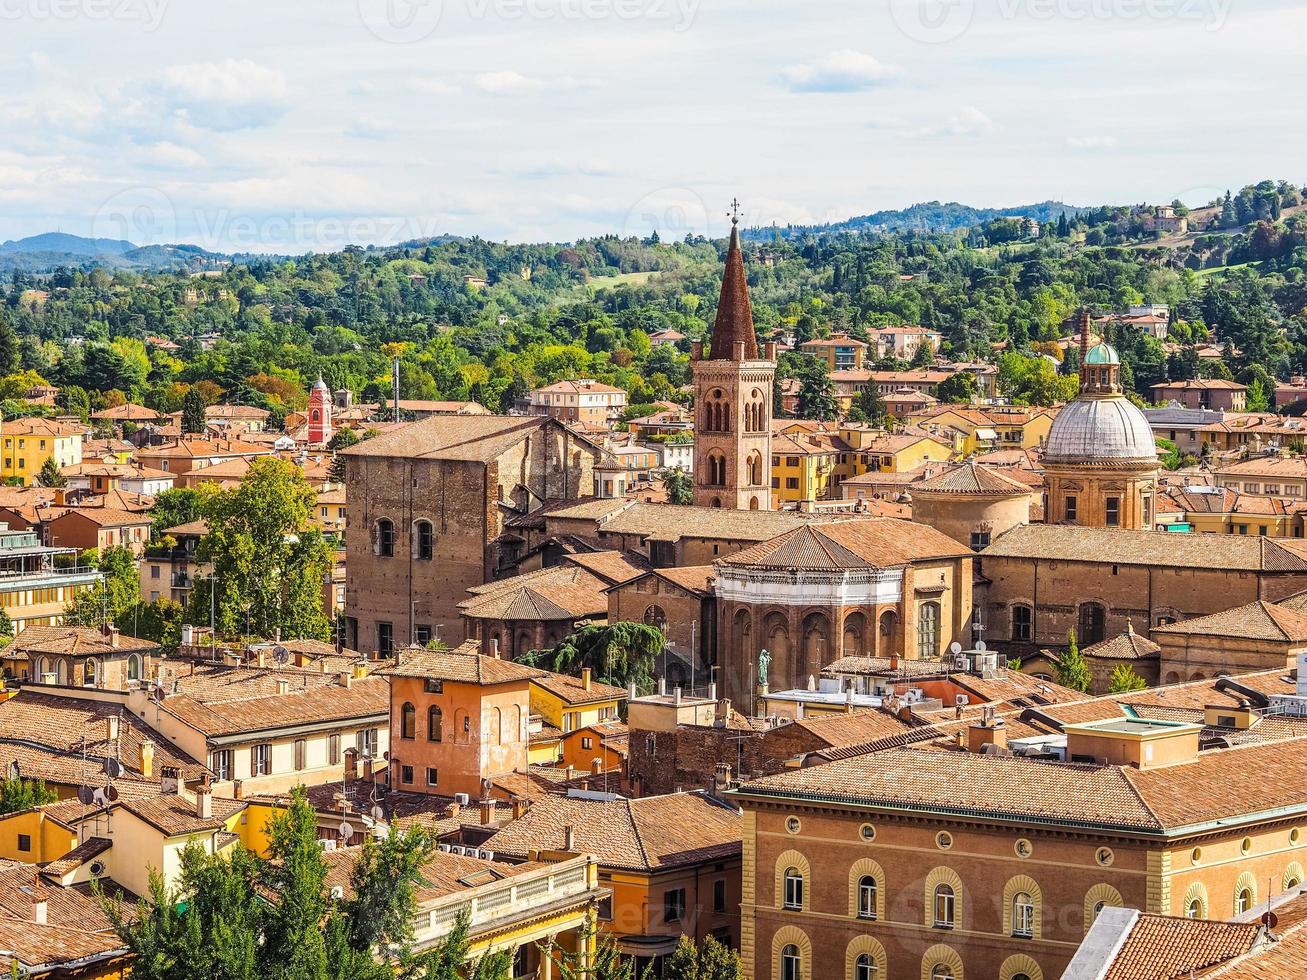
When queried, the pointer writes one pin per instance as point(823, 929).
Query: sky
point(305, 125)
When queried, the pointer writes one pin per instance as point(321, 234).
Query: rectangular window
point(24, 842)
point(791, 483)
point(1113, 511)
point(433, 777)
point(385, 639)
point(406, 775)
point(1070, 510)
point(979, 540)
point(606, 909)
point(719, 895)
point(587, 743)
point(674, 905)
point(261, 760)
point(221, 765)
point(333, 749)
point(434, 685)
point(366, 742)
point(422, 634)
point(154, 571)
point(301, 754)
point(1021, 622)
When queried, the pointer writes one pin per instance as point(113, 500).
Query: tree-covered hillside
point(475, 319)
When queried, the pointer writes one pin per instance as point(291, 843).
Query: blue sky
point(286, 125)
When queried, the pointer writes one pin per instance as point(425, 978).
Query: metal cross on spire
point(734, 213)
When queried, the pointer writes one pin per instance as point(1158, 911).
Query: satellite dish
point(955, 648)
point(378, 813)
point(98, 797)
point(281, 654)
point(113, 768)
point(1270, 919)
point(980, 645)
point(111, 794)
point(346, 829)
point(85, 795)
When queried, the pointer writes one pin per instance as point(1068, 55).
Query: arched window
point(496, 726)
point(941, 972)
point(383, 543)
point(89, 670)
point(435, 723)
point(793, 888)
point(866, 897)
point(1091, 624)
point(755, 469)
point(928, 630)
point(408, 720)
point(944, 906)
point(791, 964)
point(317, 415)
point(1023, 915)
point(655, 617)
point(1243, 901)
point(134, 667)
point(424, 541)
point(1195, 909)
point(865, 968)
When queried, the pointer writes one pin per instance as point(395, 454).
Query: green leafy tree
point(193, 418)
point(619, 653)
point(1257, 398)
point(6, 626)
point(50, 475)
point(719, 962)
point(684, 961)
point(297, 875)
point(1124, 680)
point(268, 566)
point(111, 598)
point(172, 508)
point(680, 487)
point(23, 794)
point(607, 963)
point(960, 388)
point(1071, 667)
point(869, 407)
point(817, 393)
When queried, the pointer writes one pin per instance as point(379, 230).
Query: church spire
point(734, 311)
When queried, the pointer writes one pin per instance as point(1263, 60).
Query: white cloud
point(966, 122)
point(1091, 142)
point(839, 71)
point(515, 83)
point(226, 95)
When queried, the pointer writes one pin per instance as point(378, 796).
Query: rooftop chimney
point(676, 695)
point(569, 838)
point(346, 678)
point(283, 686)
point(487, 812)
point(520, 806)
point(987, 732)
point(596, 766)
point(712, 691)
point(585, 678)
point(204, 802)
point(111, 728)
point(40, 912)
point(147, 759)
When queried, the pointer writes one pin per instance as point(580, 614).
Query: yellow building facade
point(26, 445)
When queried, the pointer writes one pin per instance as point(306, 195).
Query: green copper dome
point(1103, 354)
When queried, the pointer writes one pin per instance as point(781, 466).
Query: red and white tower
point(320, 428)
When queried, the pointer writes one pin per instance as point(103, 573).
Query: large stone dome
point(1090, 429)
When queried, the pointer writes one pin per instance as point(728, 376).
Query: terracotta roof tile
point(649, 834)
point(461, 665)
point(1260, 620)
point(1160, 947)
point(875, 543)
point(1050, 542)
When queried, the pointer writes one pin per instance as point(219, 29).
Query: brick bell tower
point(319, 413)
point(733, 399)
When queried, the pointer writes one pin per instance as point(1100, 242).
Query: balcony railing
point(520, 895)
point(47, 572)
